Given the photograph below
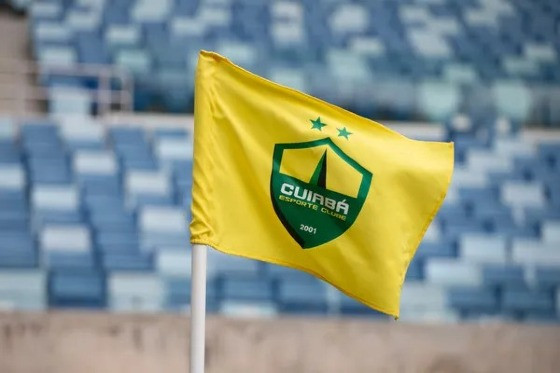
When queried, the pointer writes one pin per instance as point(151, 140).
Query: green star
point(317, 124)
point(342, 132)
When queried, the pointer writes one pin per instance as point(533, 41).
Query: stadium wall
point(101, 342)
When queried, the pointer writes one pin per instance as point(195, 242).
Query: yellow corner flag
point(286, 178)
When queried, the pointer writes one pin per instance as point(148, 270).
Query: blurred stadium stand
point(387, 59)
point(94, 215)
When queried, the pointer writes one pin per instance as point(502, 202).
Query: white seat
point(147, 182)
point(513, 99)
point(12, 177)
point(287, 34)
point(51, 31)
point(23, 289)
point(122, 35)
point(540, 52)
point(134, 60)
point(483, 161)
point(349, 18)
point(95, 163)
point(438, 99)
point(289, 77)
point(422, 301)
point(173, 262)
point(79, 128)
point(45, 10)
point(532, 252)
point(244, 309)
point(7, 129)
point(187, 26)
point(460, 73)
point(66, 238)
point(135, 292)
point(367, 46)
point(521, 194)
point(287, 10)
point(80, 20)
point(479, 248)
point(216, 15)
point(57, 56)
point(174, 149)
point(163, 220)
point(66, 100)
point(429, 44)
point(413, 13)
point(452, 272)
point(243, 54)
point(55, 197)
point(513, 147)
point(443, 25)
point(150, 11)
point(466, 177)
point(344, 65)
point(551, 232)
point(433, 233)
point(521, 66)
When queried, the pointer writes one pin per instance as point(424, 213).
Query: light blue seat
point(57, 55)
point(135, 292)
point(513, 99)
point(45, 11)
point(424, 301)
point(54, 198)
point(51, 31)
point(534, 252)
point(452, 272)
point(163, 226)
point(173, 262)
point(94, 163)
point(122, 36)
point(136, 61)
point(80, 133)
point(519, 194)
point(476, 248)
point(150, 11)
point(12, 177)
point(23, 289)
point(146, 183)
point(66, 246)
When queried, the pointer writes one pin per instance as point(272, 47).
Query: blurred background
point(96, 100)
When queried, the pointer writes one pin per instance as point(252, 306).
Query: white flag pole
point(198, 308)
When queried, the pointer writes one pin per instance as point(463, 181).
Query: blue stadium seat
point(523, 302)
point(295, 296)
point(83, 289)
point(473, 300)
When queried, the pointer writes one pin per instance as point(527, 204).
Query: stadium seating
point(401, 59)
point(96, 216)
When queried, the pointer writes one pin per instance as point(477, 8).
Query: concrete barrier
point(101, 342)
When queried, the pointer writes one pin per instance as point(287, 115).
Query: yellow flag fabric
point(286, 178)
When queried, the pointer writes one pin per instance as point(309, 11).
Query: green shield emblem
point(317, 190)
